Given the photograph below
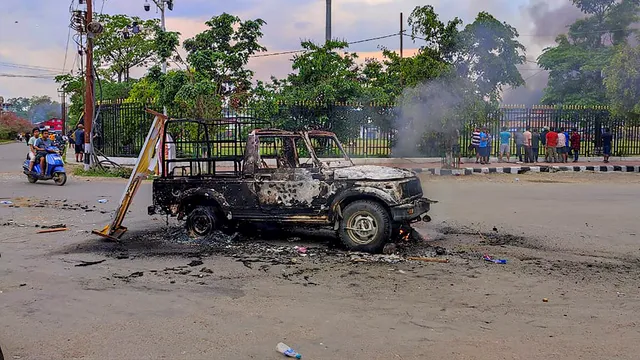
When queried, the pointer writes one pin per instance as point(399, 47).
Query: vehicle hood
point(371, 172)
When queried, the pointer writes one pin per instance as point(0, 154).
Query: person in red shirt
point(552, 142)
point(575, 144)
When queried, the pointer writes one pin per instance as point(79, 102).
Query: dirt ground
point(568, 238)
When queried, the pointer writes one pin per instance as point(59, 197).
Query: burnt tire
point(201, 221)
point(365, 226)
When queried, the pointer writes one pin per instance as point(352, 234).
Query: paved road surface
point(579, 249)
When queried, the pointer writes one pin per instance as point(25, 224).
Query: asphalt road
point(569, 238)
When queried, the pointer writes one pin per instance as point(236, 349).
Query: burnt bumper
point(411, 211)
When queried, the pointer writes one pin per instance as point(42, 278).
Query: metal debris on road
point(6, 202)
point(496, 261)
point(103, 201)
point(89, 263)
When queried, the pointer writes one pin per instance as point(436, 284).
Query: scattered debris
point(89, 263)
point(300, 249)
point(128, 278)
point(52, 230)
point(427, 259)
point(57, 226)
point(287, 351)
point(6, 202)
point(195, 263)
point(496, 261)
point(23, 284)
point(495, 229)
point(103, 201)
point(206, 270)
point(363, 257)
point(545, 300)
point(389, 248)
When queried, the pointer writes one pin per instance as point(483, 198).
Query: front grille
point(411, 188)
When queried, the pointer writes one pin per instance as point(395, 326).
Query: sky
point(34, 34)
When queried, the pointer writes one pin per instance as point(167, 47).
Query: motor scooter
point(54, 168)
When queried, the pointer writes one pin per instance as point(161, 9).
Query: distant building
point(52, 124)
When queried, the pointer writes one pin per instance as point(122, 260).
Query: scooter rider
point(32, 149)
point(42, 144)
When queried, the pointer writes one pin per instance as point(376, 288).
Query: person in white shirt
point(560, 147)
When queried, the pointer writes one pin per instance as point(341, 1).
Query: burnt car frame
point(222, 178)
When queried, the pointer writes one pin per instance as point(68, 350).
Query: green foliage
point(117, 172)
point(623, 82)
point(117, 54)
point(578, 58)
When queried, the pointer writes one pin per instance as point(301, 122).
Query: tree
point(622, 81)
point(11, 125)
point(119, 53)
point(575, 64)
point(219, 56)
point(488, 54)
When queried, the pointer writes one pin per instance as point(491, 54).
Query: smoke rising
point(427, 108)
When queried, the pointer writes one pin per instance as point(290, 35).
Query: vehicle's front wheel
point(201, 221)
point(31, 179)
point(60, 178)
point(365, 226)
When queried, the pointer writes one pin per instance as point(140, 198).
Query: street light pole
point(164, 61)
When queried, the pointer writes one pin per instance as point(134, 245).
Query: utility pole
point(161, 5)
point(63, 110)
point(328, 24)
point(88, 91)
point(401, 34)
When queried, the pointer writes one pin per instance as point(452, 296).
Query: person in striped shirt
point(475, 143)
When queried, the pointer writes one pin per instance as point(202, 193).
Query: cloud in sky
point(35, 32)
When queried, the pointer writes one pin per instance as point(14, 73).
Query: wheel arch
point(364, 194)
point(192, 198)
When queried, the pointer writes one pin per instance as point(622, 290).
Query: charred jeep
point(216, 177)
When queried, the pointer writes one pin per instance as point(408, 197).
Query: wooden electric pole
point(88, 91)
point(401, 34)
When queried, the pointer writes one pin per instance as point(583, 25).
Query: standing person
point(528, 157)
point(505, 144)
point(79, 138)
point(475, 143)
point(560, 147)
point(552, 142)
point(543, 141)
point(607, 139)
point(535, 145)
point(483, 145)
point(489, 146)
point(519, 138)
point(567, 136)
point(32, 148)
point(575, 144)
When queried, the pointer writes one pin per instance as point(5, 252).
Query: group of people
point(558, 144)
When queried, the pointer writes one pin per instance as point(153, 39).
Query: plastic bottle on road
point(287, 351)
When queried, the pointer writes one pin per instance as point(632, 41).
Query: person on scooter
point(42, 144)
point(32, 148)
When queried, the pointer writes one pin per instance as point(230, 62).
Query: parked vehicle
point(54, 168)
point(292, 178)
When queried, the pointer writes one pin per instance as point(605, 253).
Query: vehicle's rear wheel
point(201, 221)
point(31, 179)
point(60, 178)
point(365, 226)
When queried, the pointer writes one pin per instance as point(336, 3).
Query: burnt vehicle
point(221, 175)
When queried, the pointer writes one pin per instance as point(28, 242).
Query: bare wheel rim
point(362, 228)
point(202, 223)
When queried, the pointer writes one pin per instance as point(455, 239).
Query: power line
point(302, 50)
point(26, 76)
point(29, 67)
